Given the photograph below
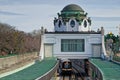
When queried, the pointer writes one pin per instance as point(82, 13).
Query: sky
point(28, 15)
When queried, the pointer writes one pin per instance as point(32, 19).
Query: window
point(59, 23)
point(72, 23)
point(72, 45)
point(85, 23)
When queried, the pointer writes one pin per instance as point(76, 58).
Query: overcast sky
point(27, 15)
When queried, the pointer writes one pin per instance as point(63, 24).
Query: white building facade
point(73, 37)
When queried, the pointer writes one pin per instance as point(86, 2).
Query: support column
point(104, 54)
point(41, 53)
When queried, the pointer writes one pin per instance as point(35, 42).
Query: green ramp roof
point(34, 71)
point(110, 70)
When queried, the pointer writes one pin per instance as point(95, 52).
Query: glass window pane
point(72, 45)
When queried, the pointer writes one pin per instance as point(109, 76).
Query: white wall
point(55, 39)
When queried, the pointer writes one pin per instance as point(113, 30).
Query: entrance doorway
point(96, 50)
point(48, 50)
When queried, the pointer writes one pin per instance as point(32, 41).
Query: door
point(48, 50)
point(96, 50)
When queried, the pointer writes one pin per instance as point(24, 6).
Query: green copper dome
point(72, 7)
point(72, 11)
point(70, 14)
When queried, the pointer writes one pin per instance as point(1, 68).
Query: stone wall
point(13, 62)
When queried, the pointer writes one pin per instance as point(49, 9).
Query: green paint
point(110, 70)
point(34, 71)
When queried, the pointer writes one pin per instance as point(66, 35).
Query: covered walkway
point(110, 70)
point(33, 72)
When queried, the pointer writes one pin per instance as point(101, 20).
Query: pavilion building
point(72, 37)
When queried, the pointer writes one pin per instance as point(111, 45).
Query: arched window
point(85, 23)
point(72, 23)
point(59, 23)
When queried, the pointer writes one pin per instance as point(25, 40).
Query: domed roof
point(72, 7)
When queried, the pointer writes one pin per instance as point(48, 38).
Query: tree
point(15, 41)
point(111, 36)
point(115, 44)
